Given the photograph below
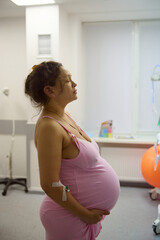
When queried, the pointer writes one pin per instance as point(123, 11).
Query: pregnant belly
point(98, 187)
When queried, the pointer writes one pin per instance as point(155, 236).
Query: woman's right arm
point(49, 140)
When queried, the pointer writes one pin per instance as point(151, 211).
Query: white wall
point(40, 20)
point(12, 75)
point(13, 66)
point(64, 43)
point(18, 158)
point(75, 58)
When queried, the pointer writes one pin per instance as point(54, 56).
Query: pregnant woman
point(80, 186)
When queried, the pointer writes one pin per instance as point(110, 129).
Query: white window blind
point(107, 60)
point(149, 57)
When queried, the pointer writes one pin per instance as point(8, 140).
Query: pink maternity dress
point(92, 182)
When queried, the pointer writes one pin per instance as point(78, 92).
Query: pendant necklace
point(66, 122)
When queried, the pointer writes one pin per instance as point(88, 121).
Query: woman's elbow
point(46, 187)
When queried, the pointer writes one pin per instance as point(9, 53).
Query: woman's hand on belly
point(96, 215)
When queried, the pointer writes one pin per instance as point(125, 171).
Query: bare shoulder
point(48, 129)
point(47, 123)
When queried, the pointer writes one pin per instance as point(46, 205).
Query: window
point(119, 59)
point(108, 60)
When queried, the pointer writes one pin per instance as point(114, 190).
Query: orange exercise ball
point(148, 162)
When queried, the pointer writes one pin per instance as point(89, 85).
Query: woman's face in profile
point(65, 86)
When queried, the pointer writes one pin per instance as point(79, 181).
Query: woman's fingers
point(106, 212)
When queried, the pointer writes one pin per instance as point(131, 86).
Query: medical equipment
point(155, 77)
point(156, 73)
point(157, 152)
point(8, 181)
point(65, 188)
point(150, 167)
point(156, 224)
point(154, 193)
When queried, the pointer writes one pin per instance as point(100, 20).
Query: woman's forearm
point(72, 205)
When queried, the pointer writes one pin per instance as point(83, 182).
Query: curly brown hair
point(46, 73)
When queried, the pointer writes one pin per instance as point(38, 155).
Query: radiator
point(125, 161)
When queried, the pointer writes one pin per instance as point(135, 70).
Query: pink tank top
point(92, 181)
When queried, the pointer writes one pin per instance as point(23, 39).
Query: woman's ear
point(49, 91)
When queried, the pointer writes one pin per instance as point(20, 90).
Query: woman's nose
point(74, 84)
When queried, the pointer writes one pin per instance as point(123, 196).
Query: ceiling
point(9, 9)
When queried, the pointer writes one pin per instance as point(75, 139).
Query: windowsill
point(145, 141)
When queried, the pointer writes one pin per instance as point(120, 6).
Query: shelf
point(126, 142)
